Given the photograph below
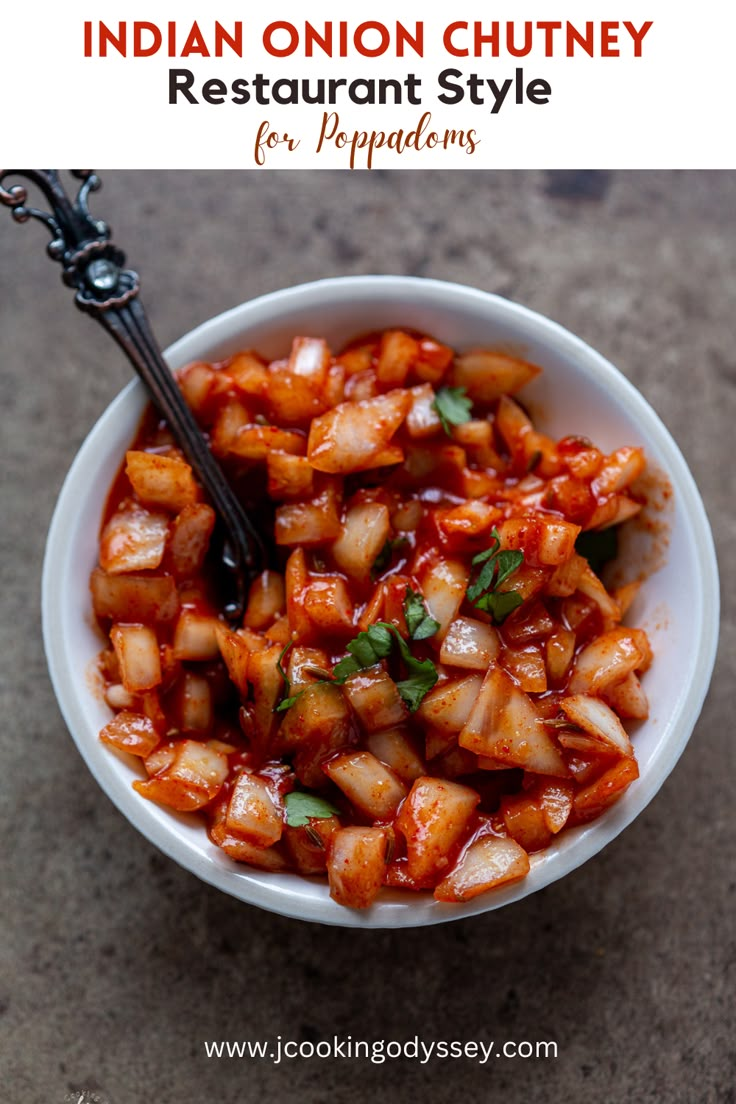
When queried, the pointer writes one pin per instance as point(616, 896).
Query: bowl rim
point(262, 890)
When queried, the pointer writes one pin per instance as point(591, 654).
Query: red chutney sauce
point(432, 681)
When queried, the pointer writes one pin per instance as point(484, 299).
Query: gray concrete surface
point(116, 965)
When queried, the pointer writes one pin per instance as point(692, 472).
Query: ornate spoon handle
point(109, 293)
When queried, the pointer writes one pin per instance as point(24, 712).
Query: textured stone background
point(116, 964)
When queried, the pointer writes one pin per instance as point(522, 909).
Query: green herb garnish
point(301, 806)
point(499, 604)
point(383, 559)
point(369, 648)
point(422, 675)
point(497, 566)
point(376, 643)
point(453, 407)
point(366, 649)
point(420, 625)
point(287, 702)
point(279, 665)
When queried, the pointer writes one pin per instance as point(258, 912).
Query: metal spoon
point(109, 293)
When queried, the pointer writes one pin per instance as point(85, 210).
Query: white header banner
point(319, 84)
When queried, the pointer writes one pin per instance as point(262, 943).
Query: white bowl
point(579, 392)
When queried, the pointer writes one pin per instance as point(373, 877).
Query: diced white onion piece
point(590, 585)
point(527, 667)
point(469, 643)
point(466, 522)
point(433, 819)
point(396, 354)
point(448, 706)
point(328, 604)
point(117, 697)
point(608, 659)
point(310, 358)
point(547, 541)
point(195, 637)
point(292, 399)
point(253, 813)
point(393, 747)
point(319, 718)
point(313, 522)
point(355, 865)
point(375, 699)
point(350, 436)
point(131, 732)
point(248, 373)
point(564, 580)
point(368, 783)
point(254, 442)
point(193, 778)
point(618, 471)
point(505, 725)
point(422, 419)
point(613, 511)
point(161, 480)
point(605, 790)
point(190, 538)
point(241, 850)
point(199, 765)
point(559, 650)
point(524, 821)
point(289, 476)
point(598, 720)
point(266, 600)
point(364, 532)
point(300, 660)
point(489, 862)
point(308, 844)
point(555, 799)
point(627, 698)
point(487, 375)
point(146, 598)
point(160, 759)
point(443, 586)
point(407, 516)
point(195, 703)
point(235, 651)
point(268, 686)
point(136, 648)
point(133, 540)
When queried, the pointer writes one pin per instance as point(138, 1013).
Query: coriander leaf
point(508, 561)
point(301, 806)
point(422, 674)
point(499, 603)
point(414, 689)
point(598, 546)
point(420, 625)
point(483, 556)
point(452, 406)
point(485, 576)
point(375, 644)
point(498, 565)
point(286, 703)
point(366, 649)
point(382, 560)
point(484, 581)
point(346, 667)
point(280, 668)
